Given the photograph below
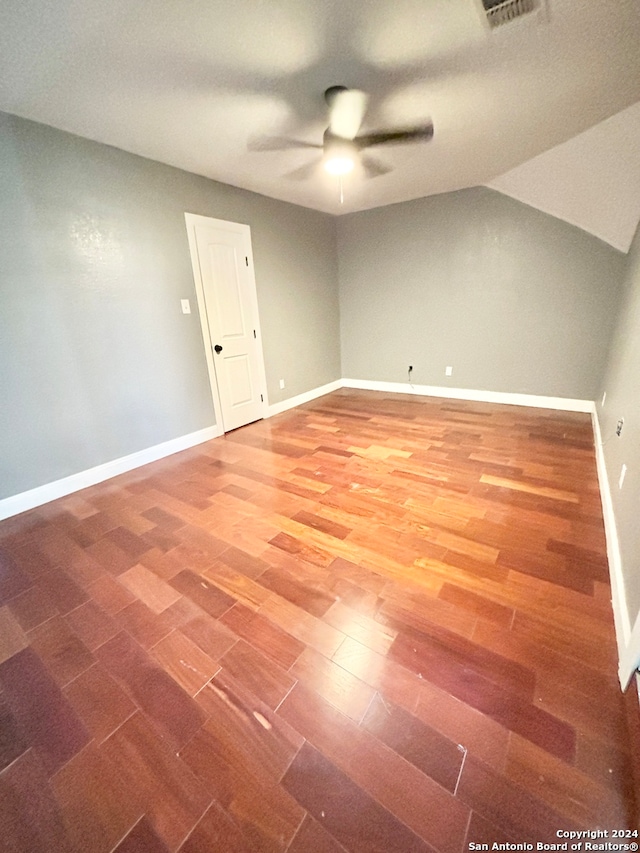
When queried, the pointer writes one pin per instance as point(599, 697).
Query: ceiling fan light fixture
point(339, 164)
point(339, 156)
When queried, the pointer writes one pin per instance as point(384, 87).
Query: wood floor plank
point(430, 649)
point(564, 788)
point(345, 809)
point(185, 661)
point(416, 799)
point(92, 624)
point(64, 654)
point(156, 779)
point(248, 734)
point(377, 637)
point(202, 592)
point(265, 812)
point(304, 595)
point(12, 637)
point(110, 595)
point(46, 719)
point(175, 714)
point(99, 702)
point(214, 833)
point(520, 485)
point(337, 685)
point(299, 624)
point(62, 590)
point(324, 524)
point(13, 578)
point(146, 586)
point(32, 607)
point(98, 808)
point(509, 807)
point(478, 604)
point(503, 705)
point(422, 746)
point(313, 836)
point(142, 838)
point(243, 562)
point(12, 741)
point(395, 682)
point(111, 557)
point(237, 586)
point(263, 635)
point(258, 673)
point(478, 733)
point(146, 627)
point(30, 817)
point(209, 635)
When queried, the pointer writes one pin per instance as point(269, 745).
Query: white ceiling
point(191, 82)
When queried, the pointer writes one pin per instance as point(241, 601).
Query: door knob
point(218, 348)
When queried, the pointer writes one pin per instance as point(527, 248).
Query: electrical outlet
point(623, 474)
point(186, 307)
point(448, 370)
point(281, 384)
point(619, 426)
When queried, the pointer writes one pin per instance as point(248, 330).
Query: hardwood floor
point(373, 623)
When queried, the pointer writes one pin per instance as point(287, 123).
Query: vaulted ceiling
point(192, 83)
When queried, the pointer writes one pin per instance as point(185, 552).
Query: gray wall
point(622, 385)
point(96, 360)
point(515, 300)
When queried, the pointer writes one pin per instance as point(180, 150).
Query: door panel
point(238, 374)
point(231, 308)
point(226, 290)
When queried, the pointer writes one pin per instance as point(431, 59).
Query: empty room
point(319, 426)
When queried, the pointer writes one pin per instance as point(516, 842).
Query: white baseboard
point(627, 639)
point(299, 399)
point(560, 403)
point(59, 488)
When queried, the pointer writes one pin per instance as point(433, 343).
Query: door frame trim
point(192, 220)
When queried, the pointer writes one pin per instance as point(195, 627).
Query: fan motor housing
point(331, 93)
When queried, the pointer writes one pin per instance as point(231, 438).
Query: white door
point(225, 285)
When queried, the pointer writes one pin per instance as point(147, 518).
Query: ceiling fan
point(341, 146)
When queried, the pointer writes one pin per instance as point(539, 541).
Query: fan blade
point(373, 167)
point(277, 143)
point(422, 133)
point(302, 173)
point(346, 113)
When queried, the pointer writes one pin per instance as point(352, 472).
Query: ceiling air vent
point(502, 11)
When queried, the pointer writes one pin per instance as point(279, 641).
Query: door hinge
point(254, 333)
point(246, 260)
point(261, 398)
